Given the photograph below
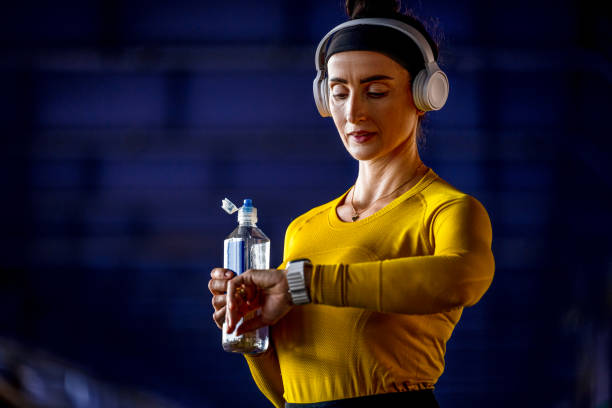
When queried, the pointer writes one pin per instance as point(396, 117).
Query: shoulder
point(439, 190)
point(442, 198)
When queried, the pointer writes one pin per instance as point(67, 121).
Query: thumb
point(251, 324)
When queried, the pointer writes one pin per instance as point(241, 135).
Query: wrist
point(308, 278)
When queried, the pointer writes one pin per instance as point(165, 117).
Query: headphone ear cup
point(324, 91)
point(437, 90)
point(319, 90)
point(418, 91)
point(430, 90)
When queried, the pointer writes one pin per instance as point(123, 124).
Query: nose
point(355, 108)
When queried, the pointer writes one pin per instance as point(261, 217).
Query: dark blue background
point(124, 124)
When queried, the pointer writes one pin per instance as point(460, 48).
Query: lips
point(361, 136)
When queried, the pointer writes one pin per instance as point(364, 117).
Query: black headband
point(384, 40)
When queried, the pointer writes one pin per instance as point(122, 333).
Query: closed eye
point(377, 94)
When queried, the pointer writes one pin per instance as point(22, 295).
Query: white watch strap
point(297, 282)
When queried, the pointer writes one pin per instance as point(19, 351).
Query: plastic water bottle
point(247, 247)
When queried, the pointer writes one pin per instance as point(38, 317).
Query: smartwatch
point(297, 282)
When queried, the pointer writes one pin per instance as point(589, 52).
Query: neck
point(382, 175)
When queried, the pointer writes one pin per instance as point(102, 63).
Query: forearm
point(266, 373)
point(412, 285)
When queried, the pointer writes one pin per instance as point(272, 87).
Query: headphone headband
point(406, 29)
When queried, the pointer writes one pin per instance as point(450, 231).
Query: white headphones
point(429, 88)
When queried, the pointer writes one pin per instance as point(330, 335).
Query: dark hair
point(392, 9)
point(389, 9)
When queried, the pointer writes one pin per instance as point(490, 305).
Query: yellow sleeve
point(267, 375)
point(456, 275)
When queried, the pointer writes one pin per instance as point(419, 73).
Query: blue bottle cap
point(247, 212)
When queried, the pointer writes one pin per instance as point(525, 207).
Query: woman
point(391, 263)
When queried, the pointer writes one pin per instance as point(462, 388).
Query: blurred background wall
point(124, 124)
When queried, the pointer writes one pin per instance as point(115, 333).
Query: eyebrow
point(362, 81)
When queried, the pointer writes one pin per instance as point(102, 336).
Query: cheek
point(338, 117)
point(335, 108)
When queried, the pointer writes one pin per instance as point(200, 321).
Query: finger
point(222, 273)
point(217, 286)
point(219, 317)
point(251, 293)
point(210, 287)
point(251, 324)
point(218, 301)
point(232, 302)
point(242, 309)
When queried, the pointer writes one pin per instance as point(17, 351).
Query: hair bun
point(372, 8)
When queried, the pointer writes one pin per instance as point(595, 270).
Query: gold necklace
point(356, 213)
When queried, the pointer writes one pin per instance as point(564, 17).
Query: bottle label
point(234, 255)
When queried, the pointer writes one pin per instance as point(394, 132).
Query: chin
point(363, 153)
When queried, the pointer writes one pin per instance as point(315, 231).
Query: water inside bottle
point(246, 248)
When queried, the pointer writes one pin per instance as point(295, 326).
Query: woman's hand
point(257, 288)
point(218, 286)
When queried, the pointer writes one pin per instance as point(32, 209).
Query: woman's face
point(371, 103)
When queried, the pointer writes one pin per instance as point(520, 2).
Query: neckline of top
point(336, 223)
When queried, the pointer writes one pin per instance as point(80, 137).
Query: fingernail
point(228, 274)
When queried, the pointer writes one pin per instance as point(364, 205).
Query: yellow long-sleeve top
point(387, 292)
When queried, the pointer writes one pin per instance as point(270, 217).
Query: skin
point(369, 92)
